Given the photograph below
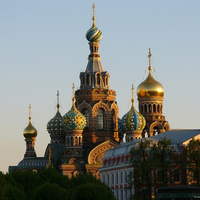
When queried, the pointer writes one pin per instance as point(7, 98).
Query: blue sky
point(43, 49)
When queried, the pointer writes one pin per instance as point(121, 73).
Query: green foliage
point(28, 180)
point(165, 159)
point(192, 161)
point(148, 156)
point(81, 179)
point(50, 191)
point(15, 193)
point(2, 186)
point(49, 184)
point(51, 175)
point(143, 165)
point(92, 191)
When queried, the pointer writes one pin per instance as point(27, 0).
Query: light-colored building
point(116, 163)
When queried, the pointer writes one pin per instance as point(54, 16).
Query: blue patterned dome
point(74, 120)
point(133, 120)
point(56, 125)
point(94, 34)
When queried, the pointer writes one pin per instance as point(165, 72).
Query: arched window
point(86, 113)
point(88, 79)
point(145, 108)
point(154, 108)
point(100, 119)
point(150, 109)
point(113, 119)
point(98, 79)
point(106, 80)
point(141, 108)
point(158, 108)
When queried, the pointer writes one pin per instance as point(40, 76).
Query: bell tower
point(150, 96)
point(95, 99)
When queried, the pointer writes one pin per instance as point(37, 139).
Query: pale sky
point(43, 49)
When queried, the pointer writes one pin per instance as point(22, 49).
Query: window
point(154, 108)
point(125, 177)
point(88, 79)
point(112, 179)
point(150, 109)
point(100, 119)
point(176, 175)
point(98, 79)
point(116, 178)
point(121, 177)
point(108, 179)
point(86, 113)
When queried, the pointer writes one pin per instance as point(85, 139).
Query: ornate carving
point(96, 155)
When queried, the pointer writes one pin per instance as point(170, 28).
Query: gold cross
point(132, 91)
point(73, 87)
point(57, 96)
point(93, 9)
point(149, 56)
point(29, 110)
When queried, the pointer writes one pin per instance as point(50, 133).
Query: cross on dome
point(149, 56)
point(132, 93)
point(29, 111)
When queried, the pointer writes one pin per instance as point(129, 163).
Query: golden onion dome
point(150, 87)
point(30, 131)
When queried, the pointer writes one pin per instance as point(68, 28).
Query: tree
point(92, 191)
point(192, 161)
point(166, 159)
point(143, 165)
point(149, 158)
point(50, 191)
point(2, 186)
point(51, 175)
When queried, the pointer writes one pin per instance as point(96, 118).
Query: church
point(80, 138)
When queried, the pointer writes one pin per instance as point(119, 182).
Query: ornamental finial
point(73, 98)
point(58, 100)
point(132, 93)
point(149, 58)
point(93, 11)
point(29, 111)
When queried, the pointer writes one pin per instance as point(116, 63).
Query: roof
point(179, 137)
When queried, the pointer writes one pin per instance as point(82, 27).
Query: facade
point(116, 166)
point(80, 138)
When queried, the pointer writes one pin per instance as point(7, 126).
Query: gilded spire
point(29, 111)
point(150, 58)
point(93, 11)
point(73, 98)
point(58, 101)
point(132, 94)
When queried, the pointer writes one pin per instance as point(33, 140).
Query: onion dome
point(133, 120)
point(30, 131)
point(74, 120)
point(150, 87)
point(56, 125)
point(94, 34)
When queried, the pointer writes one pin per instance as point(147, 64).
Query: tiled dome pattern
point(56, 125)
point(133, 120)
point(74, 120)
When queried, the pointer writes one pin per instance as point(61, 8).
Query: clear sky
point(43, 49)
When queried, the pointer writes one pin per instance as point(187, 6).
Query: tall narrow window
point(121, 177)
point(98, 79)
point(145, 108)
point(100, 119)
point(88, 79)
point(86, 113)
point(116, 178)
point(150, 109)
